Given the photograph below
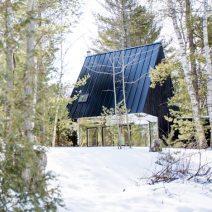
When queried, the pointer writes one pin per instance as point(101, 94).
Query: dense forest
point(33, 96)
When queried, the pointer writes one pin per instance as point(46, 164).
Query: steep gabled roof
point(98, 91)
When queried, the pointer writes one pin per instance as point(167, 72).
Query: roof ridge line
point(118, 50)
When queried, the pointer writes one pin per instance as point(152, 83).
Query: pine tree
point(143, 29)
point(125, 20)
point(28, 47)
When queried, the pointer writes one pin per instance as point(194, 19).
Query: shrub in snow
point(177, 165)
point(24, 183)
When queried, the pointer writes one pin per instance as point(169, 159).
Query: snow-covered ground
point(108, 180)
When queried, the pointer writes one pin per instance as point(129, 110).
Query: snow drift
point(109, 179)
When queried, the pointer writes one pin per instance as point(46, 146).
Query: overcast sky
point(80, 40)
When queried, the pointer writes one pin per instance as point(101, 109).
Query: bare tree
point(124, 98)
point(115, 99)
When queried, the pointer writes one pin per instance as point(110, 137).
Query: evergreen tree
point(126, 24)
point(143, 29)
point(30, 40)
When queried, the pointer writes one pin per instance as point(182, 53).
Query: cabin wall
point(139, 96)
point(141, 135)
point(157, 105)
point(103, 131)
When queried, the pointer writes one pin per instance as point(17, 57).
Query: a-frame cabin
point(140, 97)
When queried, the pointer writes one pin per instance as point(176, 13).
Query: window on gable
point(83, 98)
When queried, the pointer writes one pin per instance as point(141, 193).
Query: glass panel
point(83, 136)
point(83, 98)
point(92, 136)
point(136, 135)
point(145, 138)
point(108, 136)
point(124, 135)
point(154, 131)
point(140, 135)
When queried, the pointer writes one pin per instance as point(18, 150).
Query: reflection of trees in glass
point(92, 136)
point(124, 132)
point(145, 135)
point(136, 135)
point(113, 131)
point(83, 136)
point(104, 135)
point(140, 135)
point(108, 136)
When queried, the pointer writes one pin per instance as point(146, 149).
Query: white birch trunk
point(200, 135)
point(124, 45)
point(115, 102)
point(30, 75)
point(208, 66)
point(124, 99)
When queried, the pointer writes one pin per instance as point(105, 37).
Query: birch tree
point(208, 65)
point(187, 68)
point(123, 42)
point(115, 100)
point(124, 97)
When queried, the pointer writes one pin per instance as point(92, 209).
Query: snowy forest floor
point(109, 179)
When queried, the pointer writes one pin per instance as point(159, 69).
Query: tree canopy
point(125, 24)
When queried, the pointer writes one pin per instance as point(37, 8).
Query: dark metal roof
point(98, 90)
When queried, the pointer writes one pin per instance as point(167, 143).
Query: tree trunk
point(30, 74)
point(200, 135)
point(9, 65)
point(190, 38)
point(54, 135)
point(124, 45)
point(124, 25)
point(41, 86)
point(115, 101)
point(208, 66)
point(124, 99)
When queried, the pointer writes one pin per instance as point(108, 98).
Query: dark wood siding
point(157, 104)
